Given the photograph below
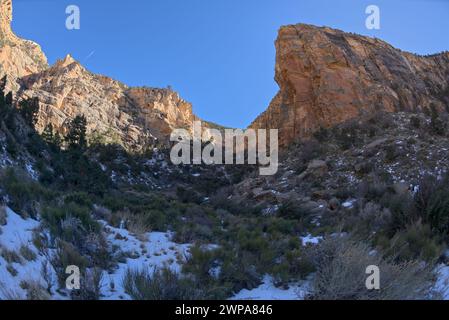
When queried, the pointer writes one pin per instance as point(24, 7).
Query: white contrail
point(89, 56)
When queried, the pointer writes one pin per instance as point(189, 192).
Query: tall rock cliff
point(327, 76)
point(18, 57)
point(132, 117)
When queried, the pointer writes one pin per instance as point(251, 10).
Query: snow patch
point(268, 291)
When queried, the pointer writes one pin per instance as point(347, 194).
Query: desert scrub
point(27, 253)
point(34, 291)
point(10, 256)
point(415, 242)
point(162, 284)
point(341, 265)
point(12, 271)
point(24, 193)
point(70, 221)
point(90, 286)
point(66, 255)
point(432, 203)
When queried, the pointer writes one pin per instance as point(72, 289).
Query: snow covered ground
point(15, 234)
point(154, 251)
point(268, 291)
point(442, 283)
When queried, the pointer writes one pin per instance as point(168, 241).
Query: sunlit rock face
point(327, 76)
point(18, 57)
point(132, 117)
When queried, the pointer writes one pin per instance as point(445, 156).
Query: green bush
point(24, 194)
point(417, 242)
point(432, 203)
point(71, 222)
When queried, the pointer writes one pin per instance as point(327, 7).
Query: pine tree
point(29, 109)
point(47, 134)
point(57, 140)
point(5, 99)
point(76, 137)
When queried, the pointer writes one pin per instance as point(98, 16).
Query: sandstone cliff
point(328, 76)
point(18, 57)
point(132, 117)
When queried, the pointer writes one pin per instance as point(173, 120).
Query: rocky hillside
point(133, 117)
point(327, 76)
point(18, 57)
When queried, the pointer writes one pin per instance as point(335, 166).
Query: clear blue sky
point(218, 54)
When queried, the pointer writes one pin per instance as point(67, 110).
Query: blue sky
point(218, 54)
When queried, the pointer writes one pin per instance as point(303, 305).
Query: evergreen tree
point(5, 99)
point(57, 140)
point(47, 134)
point(436, 124)
point(76, 137)
point(29, 109)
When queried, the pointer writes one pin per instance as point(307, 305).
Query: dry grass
point(341, 266)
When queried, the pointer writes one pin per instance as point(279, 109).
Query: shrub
point(35, 291)
point(24, 193)
point(347, 134)
point(71, 222)
point(432, 203)
point(10, 256)
point(162, 284)
point(341, 266)
point(10, 268)
point(199, 263)
point(3, 215)
point(90, 285)
point(295, 265)
point(66, 255)
point(415, 122)
point(437, 125)
point(415, 242)
point(403, 211)
point(27, 253)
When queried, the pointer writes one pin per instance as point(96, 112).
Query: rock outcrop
point(327, 76)
point(18, 57)
point(133, 117)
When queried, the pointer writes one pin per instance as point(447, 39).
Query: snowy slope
point(155, 250)
point(16, 233)
point(267, 291)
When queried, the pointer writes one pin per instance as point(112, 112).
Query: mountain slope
point(327, 76)
point(133, 117)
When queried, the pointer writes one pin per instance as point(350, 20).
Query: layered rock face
point(133, 117)
point(328, 76)
point(18, 57)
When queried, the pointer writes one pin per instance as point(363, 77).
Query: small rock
point(334, 204)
